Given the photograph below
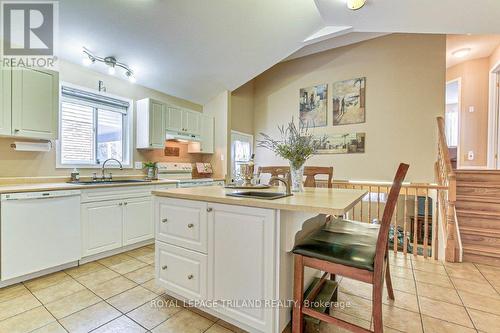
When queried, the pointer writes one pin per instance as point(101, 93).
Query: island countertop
point(313, 200)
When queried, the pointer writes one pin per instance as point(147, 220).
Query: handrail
point(443, 143)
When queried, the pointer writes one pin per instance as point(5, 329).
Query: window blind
point(96, 100)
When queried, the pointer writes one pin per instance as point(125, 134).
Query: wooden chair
point(312, 171)
point(352, 249)
point(274, 171)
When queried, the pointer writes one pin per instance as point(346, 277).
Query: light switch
point(138, 165)
point(470, 155)
point(222, 157)
point(471, 108)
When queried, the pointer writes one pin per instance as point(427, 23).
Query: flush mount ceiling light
point(89, 58)
point(461, 53)
point(355, 4)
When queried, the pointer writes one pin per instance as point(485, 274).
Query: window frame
point(128, 131)
point(251, 141)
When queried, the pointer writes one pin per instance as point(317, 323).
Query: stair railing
point(445, 176)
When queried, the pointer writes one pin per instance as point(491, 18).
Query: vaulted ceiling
point(194, 49)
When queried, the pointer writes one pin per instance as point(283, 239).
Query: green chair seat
point(345, 242)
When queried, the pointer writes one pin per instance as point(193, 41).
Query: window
point(241, 151)
point(93, 128)
point(451, 113)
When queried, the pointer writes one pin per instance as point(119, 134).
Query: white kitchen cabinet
point(137, 217)
point(241, 261)
point(5, 100)
point(182, 223)
point(101, 226)
point(182, 121)
point(206, 144)
point(35, 103)
point(151, 117)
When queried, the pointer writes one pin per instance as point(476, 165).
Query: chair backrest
point(311, 171)
point(392, 199)
point(274, 171)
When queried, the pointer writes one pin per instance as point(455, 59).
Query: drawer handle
point(120, 204)
point(164, 220)
point(164, 267)
point(125, 203)
point(209, 209)
point(190, 276)
point(190, 225)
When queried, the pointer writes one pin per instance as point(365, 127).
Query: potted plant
point(151, 168)
point(296, 145)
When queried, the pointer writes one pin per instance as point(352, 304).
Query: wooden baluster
point(405, 219)
point(395, 234)
point(369, 204)
point(415, 225)
point(426, 227)
point(361, 208)
point(435, 217)
point(378, 203)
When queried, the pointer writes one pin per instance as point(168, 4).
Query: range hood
point(181, 137)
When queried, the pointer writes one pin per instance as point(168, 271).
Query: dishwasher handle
point(39, 195)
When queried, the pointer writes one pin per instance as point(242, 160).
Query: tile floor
point(117, 294)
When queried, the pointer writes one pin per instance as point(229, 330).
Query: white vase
point(297, 175)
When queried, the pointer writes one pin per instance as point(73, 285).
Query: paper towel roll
point(32, 146)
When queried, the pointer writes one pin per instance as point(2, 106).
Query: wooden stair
point(478, 213)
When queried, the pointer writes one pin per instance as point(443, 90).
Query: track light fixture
point(89, 58)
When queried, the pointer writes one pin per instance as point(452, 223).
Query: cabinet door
point(5, 108)
point(156, 125)
point(241, 252)
point(137, 220)
point(191, 122)
point(174, 120)
point(207, 134)
point(182, 223)
point(35, 106)
point(101, 226)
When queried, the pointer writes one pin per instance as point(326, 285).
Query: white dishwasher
point(38, 230)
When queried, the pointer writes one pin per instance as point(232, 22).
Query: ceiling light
point(90, 58)
point(355, 4)
point(461, 53)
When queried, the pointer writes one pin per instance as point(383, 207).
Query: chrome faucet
point(287, 181)
point(103, 167)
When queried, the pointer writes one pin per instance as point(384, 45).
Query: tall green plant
point(296, 145)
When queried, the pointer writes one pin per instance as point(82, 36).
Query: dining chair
point(273, 171)
point(352, 249)
point(312, 171)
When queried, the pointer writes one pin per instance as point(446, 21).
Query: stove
point(182, 173)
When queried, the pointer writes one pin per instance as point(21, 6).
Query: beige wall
point(405, 85)
point(219, 107)
point(242, 108)
point(495, 57)
point(14, 164)
point(473, 125)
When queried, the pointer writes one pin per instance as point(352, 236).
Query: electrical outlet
point(471, 109)
point(138, 165)
point(470, 155)
point(222, 157)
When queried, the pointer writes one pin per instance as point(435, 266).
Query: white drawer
point(181, 271)
point(182, 223)
point(114, 193)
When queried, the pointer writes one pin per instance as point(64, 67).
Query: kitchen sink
point(258, 195)
point(110, 181)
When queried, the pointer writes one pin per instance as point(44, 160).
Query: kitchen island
point(231, 256)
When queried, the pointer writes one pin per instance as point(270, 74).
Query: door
point(35, 103)
point(241, 262)
point(101, 226)
point(191, 122)
point(5, 107)
point(137, 220)
point(174, 120)
point(156, 125)
point(241, 151)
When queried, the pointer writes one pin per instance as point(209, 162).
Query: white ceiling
point(480, 47)
point(194, 49)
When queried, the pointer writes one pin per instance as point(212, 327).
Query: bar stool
point(352, 249)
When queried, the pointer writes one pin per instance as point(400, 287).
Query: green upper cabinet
point(35, 103)
point(5, 109)
point(191, 120)
point(173, 121)
point(206, 144)
point(151, 117)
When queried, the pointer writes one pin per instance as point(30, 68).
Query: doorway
point(452, 119)
point(494, 119)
